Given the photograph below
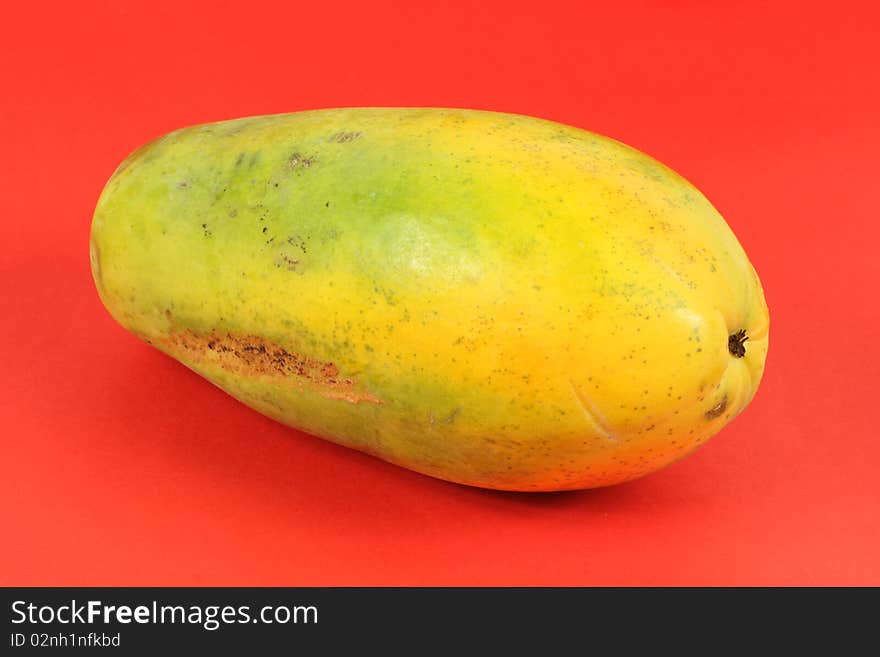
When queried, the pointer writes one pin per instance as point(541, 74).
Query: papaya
point(487, 298)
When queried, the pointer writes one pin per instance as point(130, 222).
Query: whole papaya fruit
point(486, 298)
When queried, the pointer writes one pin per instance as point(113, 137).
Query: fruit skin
point(487, 298)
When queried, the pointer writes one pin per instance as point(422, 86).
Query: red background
point(121, 467)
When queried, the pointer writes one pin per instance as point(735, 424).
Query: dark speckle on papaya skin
point(295, 241)
point(286, 261)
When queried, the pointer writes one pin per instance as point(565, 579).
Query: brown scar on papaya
point(300, 160)
point(344, 137)
point(252, 355)
point(717, 409)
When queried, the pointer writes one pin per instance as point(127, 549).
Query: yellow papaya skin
point(491, 299)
